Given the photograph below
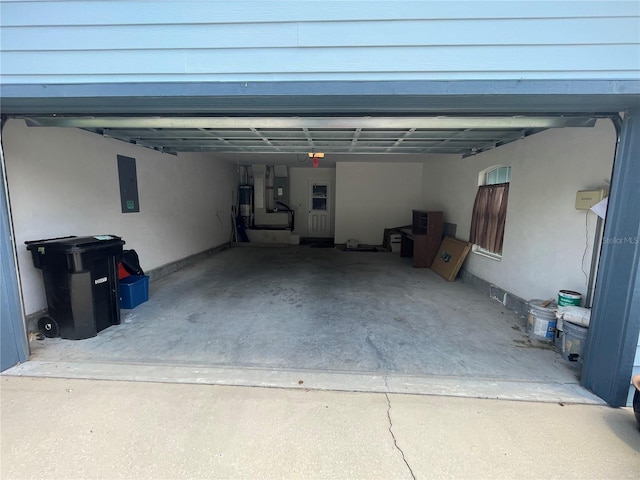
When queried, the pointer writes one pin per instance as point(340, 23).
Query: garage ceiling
point(462, 135)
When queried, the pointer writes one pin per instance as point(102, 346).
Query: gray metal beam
point(615, 317)
point(445, 88)
point(427, 122)
point(331, 97)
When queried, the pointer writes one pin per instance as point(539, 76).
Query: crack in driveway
point(395, 441)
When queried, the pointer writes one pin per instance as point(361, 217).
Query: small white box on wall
point(585, 199)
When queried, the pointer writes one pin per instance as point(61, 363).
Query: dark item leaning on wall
point(131, 262)
point(636, 398)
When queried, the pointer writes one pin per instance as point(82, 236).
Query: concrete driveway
point(62, 428)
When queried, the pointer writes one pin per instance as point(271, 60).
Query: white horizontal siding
point(273, 60)
point(152, 41)
point(406, 33)
point(142, 12)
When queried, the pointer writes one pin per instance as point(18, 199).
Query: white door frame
point(321, 215)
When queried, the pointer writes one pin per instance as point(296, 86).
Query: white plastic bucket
point(541, 324)
point(573, 342)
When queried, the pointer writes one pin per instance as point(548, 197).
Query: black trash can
point(81, 282)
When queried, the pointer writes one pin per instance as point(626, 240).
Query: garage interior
point(328, 318)
point(281, 313)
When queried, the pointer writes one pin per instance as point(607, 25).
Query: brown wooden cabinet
point(425, 245)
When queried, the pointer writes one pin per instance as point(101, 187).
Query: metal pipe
point(595, 258)
point(597, 243)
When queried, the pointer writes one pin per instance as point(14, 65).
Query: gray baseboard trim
point(261, 245)
point(508, 299)
point(169, 268)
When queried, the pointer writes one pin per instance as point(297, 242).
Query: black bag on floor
point(131, 262)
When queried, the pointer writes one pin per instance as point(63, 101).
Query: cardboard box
point(450, 257)
point(395, 242)
point(386, 239)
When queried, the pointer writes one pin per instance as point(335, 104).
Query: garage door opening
point(322, 316)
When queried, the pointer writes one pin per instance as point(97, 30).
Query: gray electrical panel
point(128, 184)
point(281, 190)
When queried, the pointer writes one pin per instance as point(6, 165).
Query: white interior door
point(319, 219)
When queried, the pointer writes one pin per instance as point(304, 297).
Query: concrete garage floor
point(318, 318)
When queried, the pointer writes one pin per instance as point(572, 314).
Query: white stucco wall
point(545, 235)
point(65, 182)
point(299, 179)
point(373, 196)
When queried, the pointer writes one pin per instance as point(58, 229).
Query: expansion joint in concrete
point(393, 436)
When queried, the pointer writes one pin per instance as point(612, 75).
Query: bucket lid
point(570, 293)
point(569, 325)
point(74, 244)
point(537, 304)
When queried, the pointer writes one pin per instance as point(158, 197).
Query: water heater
point(245, 203)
